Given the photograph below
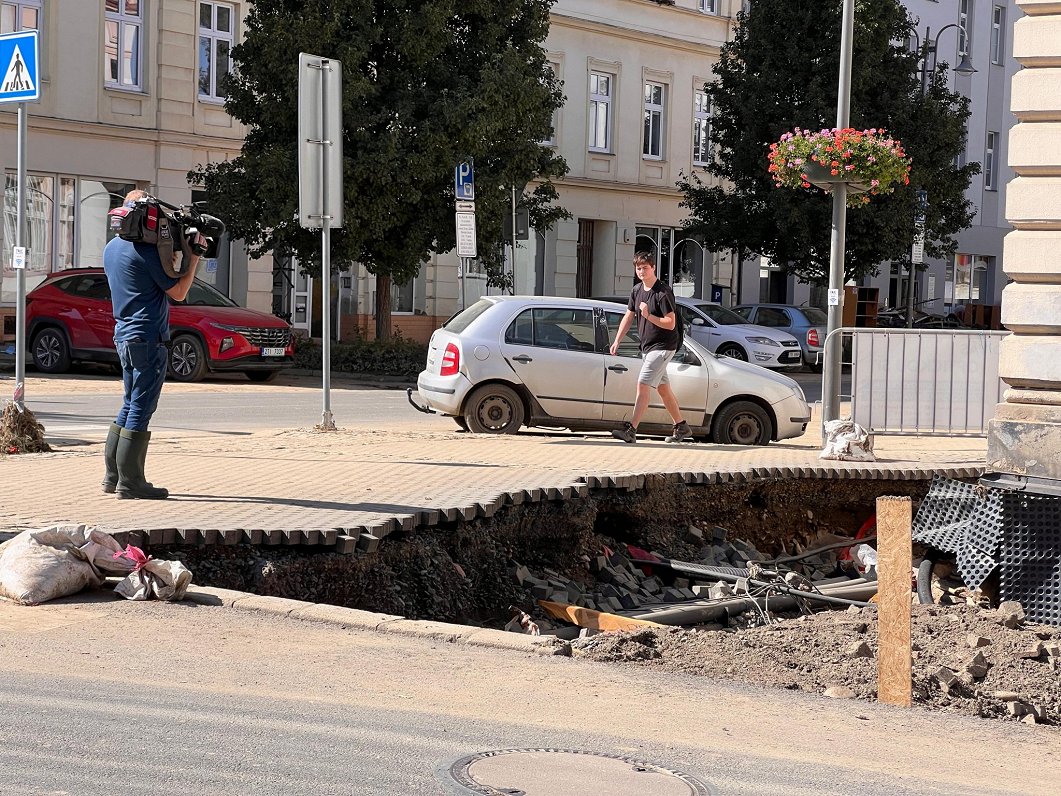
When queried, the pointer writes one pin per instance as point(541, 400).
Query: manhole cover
point(568, 772)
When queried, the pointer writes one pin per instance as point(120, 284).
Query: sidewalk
point(356, 481)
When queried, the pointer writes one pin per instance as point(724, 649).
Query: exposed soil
point(819, 652)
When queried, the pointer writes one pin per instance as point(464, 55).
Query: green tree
point(426, 84)
point(780, 72)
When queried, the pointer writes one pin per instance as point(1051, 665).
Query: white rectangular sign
point(320, 141)
point(917, 254)
point(466, 235)
point(18, 258)
point(834, 297)
point(465, 207)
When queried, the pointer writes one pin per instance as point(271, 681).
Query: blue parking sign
point(18, 58)
point(465, 182)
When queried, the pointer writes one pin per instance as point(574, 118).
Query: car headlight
point(763, 341)
point(224, 326)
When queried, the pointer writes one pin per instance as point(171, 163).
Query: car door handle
point(618, 368)
point(522, 358)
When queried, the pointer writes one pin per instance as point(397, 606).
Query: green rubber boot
point(110, 462)
point(130, 456)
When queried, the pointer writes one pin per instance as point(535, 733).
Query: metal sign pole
point(320, 184)
point(20, 273)
point(327, 421)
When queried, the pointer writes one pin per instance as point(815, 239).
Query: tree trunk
point(383, 307)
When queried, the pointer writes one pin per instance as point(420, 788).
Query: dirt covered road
point(966, 660)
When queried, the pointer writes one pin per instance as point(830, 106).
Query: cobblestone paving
point(300, 479)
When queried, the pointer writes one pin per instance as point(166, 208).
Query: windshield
point(464, 318)
point(203, 295)
point(816, 316)
point(720, 315)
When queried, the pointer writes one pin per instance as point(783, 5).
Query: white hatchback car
point(512, 361)
point(728, 334)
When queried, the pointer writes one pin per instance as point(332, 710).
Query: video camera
point(150, 220)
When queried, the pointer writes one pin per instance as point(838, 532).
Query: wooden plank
point(345, 544)
point(596, 620)
point(895, 560)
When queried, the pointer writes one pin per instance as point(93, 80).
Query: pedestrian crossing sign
point(18, 58)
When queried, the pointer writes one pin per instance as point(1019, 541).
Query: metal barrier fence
point(920, 381)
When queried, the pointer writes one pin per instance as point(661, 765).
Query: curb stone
point(382, 623)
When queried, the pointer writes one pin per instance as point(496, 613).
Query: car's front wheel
point(494, 409)
point(742, 423)
point(733, 351)
point(51, 354)
point(187, 360)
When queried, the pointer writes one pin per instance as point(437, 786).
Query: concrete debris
point(613, 581)
point(1010, 614)
point(978, 666)
point(975, 641)
point(839, 692)
point(858, 649)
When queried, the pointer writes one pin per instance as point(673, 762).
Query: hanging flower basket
point(869, 161)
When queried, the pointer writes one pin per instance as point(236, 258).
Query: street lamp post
point(925, 71)
point(837, 239)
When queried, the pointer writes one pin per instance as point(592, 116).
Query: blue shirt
point(138, 291)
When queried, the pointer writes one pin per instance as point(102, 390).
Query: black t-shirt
point(660, 300)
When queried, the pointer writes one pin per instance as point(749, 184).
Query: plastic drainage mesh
point(963, 519)
point(1031, 555)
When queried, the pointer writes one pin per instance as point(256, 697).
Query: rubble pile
point(981, 662)
point(614, 581)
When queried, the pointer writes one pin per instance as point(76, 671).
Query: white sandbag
point(846, 440)
point(37, 566)
point(153, 578)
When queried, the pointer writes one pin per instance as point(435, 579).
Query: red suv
point(69, 318)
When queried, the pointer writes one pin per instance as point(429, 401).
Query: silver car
point(511, 361)
point(806, 324)
point(729, 335)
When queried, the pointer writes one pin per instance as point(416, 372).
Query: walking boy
point(652, 303)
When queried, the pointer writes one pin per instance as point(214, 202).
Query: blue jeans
point(143, 372)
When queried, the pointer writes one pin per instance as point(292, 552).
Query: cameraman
point(140, 293)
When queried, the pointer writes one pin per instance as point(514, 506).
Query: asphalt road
point(103, 696)
point(79, 408)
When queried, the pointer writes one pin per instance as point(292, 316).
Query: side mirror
point(698, 321)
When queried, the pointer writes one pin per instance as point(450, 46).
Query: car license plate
point(273, 352)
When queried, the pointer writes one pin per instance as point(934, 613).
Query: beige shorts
point(654, 368)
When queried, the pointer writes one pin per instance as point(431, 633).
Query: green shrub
point(395, 357)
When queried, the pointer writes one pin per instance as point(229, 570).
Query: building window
point(551, 139)
point(998, 35)
point(215, 46)
point(963, 31)
point(21, 15)
point(702, 129)
point(991, 162)
point(123, 42)
point(653, 144)
point(600, 112)
point(967, 279)
point(708, 6)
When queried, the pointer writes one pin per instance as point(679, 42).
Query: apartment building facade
point(634, 119)
point(130, 98)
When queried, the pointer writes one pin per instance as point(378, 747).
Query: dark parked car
point(69, 319)
point(807, 324)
